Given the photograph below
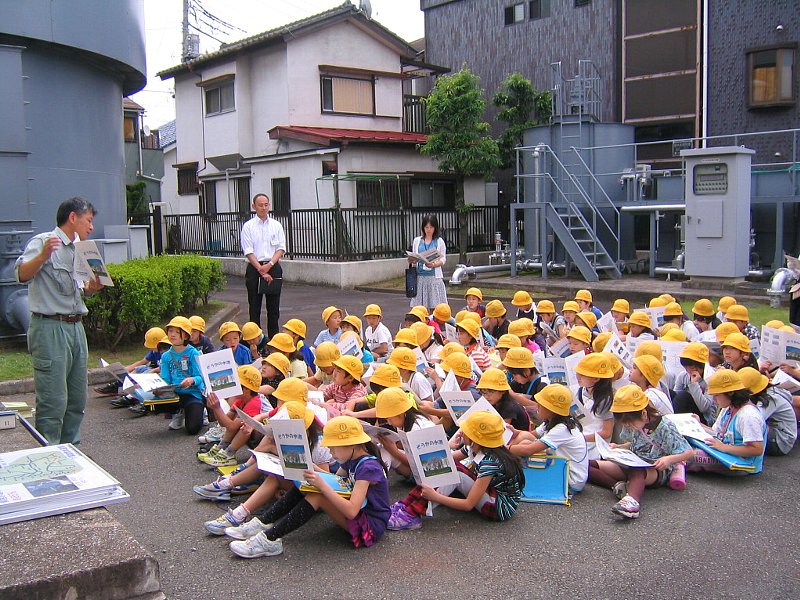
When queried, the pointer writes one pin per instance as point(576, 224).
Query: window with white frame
point(220, 99)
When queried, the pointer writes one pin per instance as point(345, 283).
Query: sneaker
point(110, 389)
point(256, 546)
point(123, 402)
point(205, 419)
point(138, 410)
point(620, 489)
point(402, 519)
point(213, 435)
point(221, 459)
point(246, 488)
point(209, 454)
point(247, 530)
point(218, 526)
point(213, 491)
point(177, 422)
point(628, 507)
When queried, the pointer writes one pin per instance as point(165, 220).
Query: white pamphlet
point(293, 449)
point(457, 404)
point(621, 456)
point(688, 426)
point(429, 451)
point(256, 425)
point(570, 362)
point(618, 348)
point(268, 463)
point(88, 263)
point(220, 373)
point(560, 348)
point(450, 333)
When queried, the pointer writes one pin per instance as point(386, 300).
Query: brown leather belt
point(65, 318)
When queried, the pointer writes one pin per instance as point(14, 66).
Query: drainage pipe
point(682, 272)
point(463, 272)
point(780, 283)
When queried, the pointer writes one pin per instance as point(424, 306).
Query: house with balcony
point(321, 115)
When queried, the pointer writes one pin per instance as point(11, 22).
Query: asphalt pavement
point(719, 538)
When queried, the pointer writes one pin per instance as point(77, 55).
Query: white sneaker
point(178, 421)
point(205, 418)
point(247, 530)
point(212, 436)
point(256, 546)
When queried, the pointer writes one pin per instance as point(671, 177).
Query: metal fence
point(331, 234)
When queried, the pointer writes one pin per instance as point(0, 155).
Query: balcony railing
point(414, 120)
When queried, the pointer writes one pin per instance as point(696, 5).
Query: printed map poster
point(89, 263)
point(293, 450)
point(220, 373)
point(430, 452)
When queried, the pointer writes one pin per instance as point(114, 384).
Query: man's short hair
point(258, 195)
point(76, 205)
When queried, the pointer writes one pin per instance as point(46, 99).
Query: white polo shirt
point(262, 238)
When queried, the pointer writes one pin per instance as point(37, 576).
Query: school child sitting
point(580, 340)
point(474, 299)
point(384, 376)
point(354, 450)
point(395, 407)
point(429, 341)
point(569, 311)
point(739, 429)
point(722, 306)
point(406, 362)
point(366, 356)
point(461, 365)
point(346, 388)
point(332, 318)
point(620, 311)
point(377, 335)
point(524, 380)
point(559, 434)
point(524, 329)
point(199, 339)
point(297, 329)
point(234, 523)
point(505, 343)
point(775, 405)
point(495, 388)
point(179, 367)
point(595, 373)
point(230, 335)
point(156, 342)
point(639, 326)
point(447, 350)
point(552, 325)
point(584, 300)
point(647, 373)
point(657, 302)
point(739, 316)
point(525, 307)
point(652, 438)
point(488, 341)
point(492, 484)
point(468, 331)
point(496, 323)
point(690, 391)
point(327, 353)
point(702, 320)
point(442, 314)
point(737, 353)
point(417, 314)
point(405, 338)
point(255, 340)
point(351, 323)
point(274, 369)
point(223, 453)
point(284, 344)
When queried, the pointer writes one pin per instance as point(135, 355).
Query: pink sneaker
point(677, 479)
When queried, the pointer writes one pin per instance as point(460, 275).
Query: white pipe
point(465, 272)
point(781, 280)
point(704, 82)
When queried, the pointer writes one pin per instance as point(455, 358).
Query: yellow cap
point(282, 342)
point(589, 318)
point(423, 331)
point(725, 303)
point(580, 333)
point(403, 358)
point(600, 341)
point(460, 315)
point(521, 327)
point(164, 340)
point(280, 362)
point(668, 327)
point(227, 327)
point(556, 398)
point(250, 331)
point(545, 306)
point(508, 340)
point(696, 351)
point(584, 295)
point(723, 330)
point(386, 375)
point(451, 347)
point(442, 312)
point(350, 365)
point(419, 311)
point(703, 308)
point(495, 309)
point(198, 323)
point(296, 326)
point(651, 347)
point(471, 327)
point(788, 328)
point(373, 310)
point(651, 368)
point(639, 318)
point(493, 379)
point(737, 312)
point(249, 377)
point(674, 335)
point(739, 341)
point(459, 363)
point(621, 305)
point(571, 305)
point(472, 316)
point(406, 336)
point(521, 298)
point(391, 402)
point(519, 358)
point(668, 297)
point(629, 398)
point(328, 312)
point(153, 337)
point(724, 381)
point(657, 302)
point(343, 431)
point(598, 365)
point(484, 428)
point(774, 324)
point(290, 389)
point(354, 321)
point(473, 291)
point(753, 380)
point(181, 323)
point(326, 353)
point(673, 309)
point(298, 410)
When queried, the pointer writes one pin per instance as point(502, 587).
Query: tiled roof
point(167, 134)
point(128, 104)
point(326, 135)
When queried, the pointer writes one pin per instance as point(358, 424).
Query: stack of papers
point(52, 480)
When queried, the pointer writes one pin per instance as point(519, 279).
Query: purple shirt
point(377, 507)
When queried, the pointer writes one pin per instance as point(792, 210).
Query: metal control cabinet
point(717, 192)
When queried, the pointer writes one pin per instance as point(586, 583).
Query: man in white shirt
point(263, 244)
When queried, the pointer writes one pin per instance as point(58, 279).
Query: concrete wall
point(189, 119)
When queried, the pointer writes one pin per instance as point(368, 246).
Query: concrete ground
point(720, 538)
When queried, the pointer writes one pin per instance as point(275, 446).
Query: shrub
point(148, 292)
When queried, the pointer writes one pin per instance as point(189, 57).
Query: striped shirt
point(507, 486)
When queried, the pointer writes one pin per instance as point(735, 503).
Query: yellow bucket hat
point(328, 312)
point(473, 291)
point(495, 309)
point(280, 362)
point(703, 308)
point(556, 398)
point(571, 305)
point(580, 333)
point(651, 368)
point(725, 303)
point(471, 327)
point(724, 381)
point(249, 377)
point(508, 340)
point(343, 431)
point(403, 358)
point(589, 318)
point(296, 326)
point(290, 389)
point(545, 306)
point(373, 310)
point(584, 295)
point(443, 312)
point(739, 341)
point(406, 336)
point(459, 363)
point(326, 353)
point(392, 402)
point(696, 351)
point(651, 347)
point(182, 323)
point(622, 306)
point(484, 428)
point(282, 342)
point(493, 379)
point(519, 358)
point(629, 398)
point(350, 365)
point(521, 298)
point(753, 380)
point(198, 323)
point(386, 375)
point(227, 328)
point(598, 365)
point(737, 312)
point(639, 318)
point(153, 337)
point(298, 410)
point(250, 331)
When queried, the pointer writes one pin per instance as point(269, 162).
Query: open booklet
point(785, 381)
point(256, 425)
point(780, 347)
point(457, 403)
point(429, 456)
point(483, 404)
point(294, 452)
point(379, 434)
point(621, 456)
point(117, 369)
point(220, 373)
point(688, 426)
point(147, 382)
point(427, 256)
point(89, 263)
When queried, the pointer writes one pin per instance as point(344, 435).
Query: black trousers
point(255, 299)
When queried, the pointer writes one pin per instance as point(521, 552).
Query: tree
point(458, 138)
point(517, 99)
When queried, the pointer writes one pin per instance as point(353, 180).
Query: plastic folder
point(546, 480)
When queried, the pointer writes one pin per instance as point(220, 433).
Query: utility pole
point(185, 48)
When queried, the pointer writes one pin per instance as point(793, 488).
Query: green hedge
point(148, 292)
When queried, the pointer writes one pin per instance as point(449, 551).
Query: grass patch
point(15, 362)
